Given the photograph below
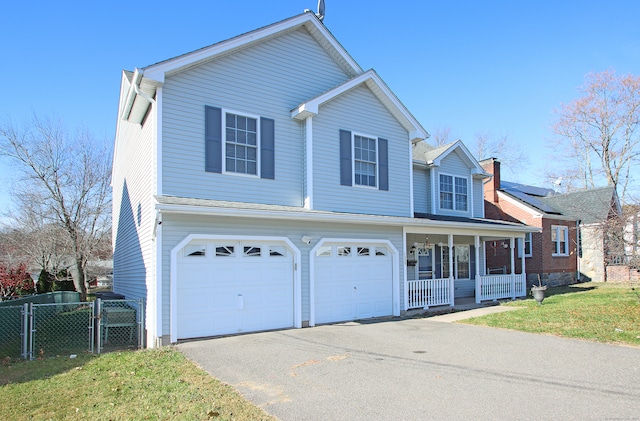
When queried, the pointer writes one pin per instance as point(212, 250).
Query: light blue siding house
point(269, 182)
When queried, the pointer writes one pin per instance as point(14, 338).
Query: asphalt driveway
point(422, 369)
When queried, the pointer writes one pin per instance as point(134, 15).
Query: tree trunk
point(77, 273)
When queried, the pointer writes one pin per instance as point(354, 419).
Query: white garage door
point(352, 281)
point(226, 287)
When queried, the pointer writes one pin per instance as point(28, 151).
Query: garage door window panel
point(252, 251)
point(195, 251)
point(382, 251)
point(363, 251)
point(225, 251)
point(277, 251)
point(324, 251)
point(344, 251)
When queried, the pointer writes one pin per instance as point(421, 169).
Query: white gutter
point(338, 218)
point(131, 95)
point(143, 95)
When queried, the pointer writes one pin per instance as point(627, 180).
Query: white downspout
point(451, 269)
point(512, 247)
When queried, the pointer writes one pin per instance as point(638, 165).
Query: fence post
point(97, 324)
point(141, 316)
point(92, 332)
point(24, 331)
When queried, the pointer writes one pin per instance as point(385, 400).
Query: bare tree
point(598, 132)
point(441, 136)
point(65, 181)
point(511, 155)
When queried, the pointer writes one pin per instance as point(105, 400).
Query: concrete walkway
point(468, 314)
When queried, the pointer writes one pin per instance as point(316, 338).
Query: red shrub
point(15, 281)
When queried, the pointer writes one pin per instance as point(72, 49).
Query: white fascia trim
point(297, 278)
point(158, 71)
point(131, 94)
point(489, 232)
point(308, 203)
point(361, 219)
point(534, 212)
point(158, 141)
point(389, 99)
point(395, 271)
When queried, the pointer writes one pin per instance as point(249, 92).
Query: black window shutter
point(213, 139)
point(267, 148)
point(346, 173)
point(383, 164)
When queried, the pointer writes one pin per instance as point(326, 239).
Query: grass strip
point(600, 312)
point(158, 384)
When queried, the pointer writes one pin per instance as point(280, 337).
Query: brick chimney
point(492, 166)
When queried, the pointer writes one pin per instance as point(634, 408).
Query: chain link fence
point(34, 331)
point(11, 331)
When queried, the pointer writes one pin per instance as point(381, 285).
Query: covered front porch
point(446, 266)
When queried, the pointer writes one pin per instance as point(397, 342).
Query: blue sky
point(497, 67)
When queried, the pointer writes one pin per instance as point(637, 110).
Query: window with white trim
point(560, 240)
point(241, 144)
point(365, 161)
point(525, 245)
point(454, 193)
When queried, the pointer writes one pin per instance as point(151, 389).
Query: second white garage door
point(227, 286)
point(352, 281)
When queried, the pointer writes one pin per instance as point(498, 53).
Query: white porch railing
point(495, 287)
point(425, 293)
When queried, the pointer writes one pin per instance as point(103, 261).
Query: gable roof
point(589, 206)
point(435, 155)
point(308, 20)
point(380, 89)
point(144, 82)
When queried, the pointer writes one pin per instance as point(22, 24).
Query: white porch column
point(478, 279)
point(404, 265)
point(451, 269)
point(524, 273)
point(512, 246)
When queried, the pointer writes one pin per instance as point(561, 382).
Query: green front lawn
point(593, 311)
point(156, 384)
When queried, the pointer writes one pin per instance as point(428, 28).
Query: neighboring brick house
point(570, 246)
point(554, 261)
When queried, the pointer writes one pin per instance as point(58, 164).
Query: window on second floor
point(454, 193)
point(241, 144)
point(238, 143)
point(560, 240)
point(364, 161)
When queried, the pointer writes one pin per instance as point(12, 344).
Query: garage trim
point(173, 299)
point(395, 262)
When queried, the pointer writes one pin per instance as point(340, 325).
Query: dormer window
point(454, 193)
